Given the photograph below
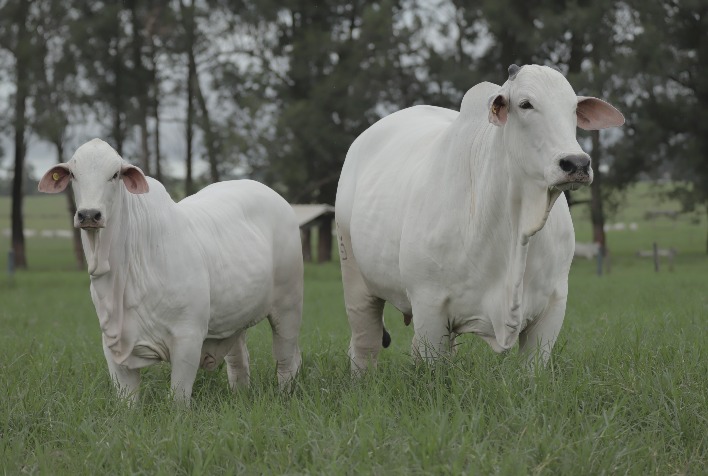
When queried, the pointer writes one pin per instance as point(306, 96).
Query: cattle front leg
point(432, 340)
point(537, 340)
point(432, 336)
point(185, 356)
point(237, 364)
point(126, 381)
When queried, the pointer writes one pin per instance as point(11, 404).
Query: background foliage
point(278, 90)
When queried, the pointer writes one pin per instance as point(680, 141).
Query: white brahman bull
point(181, 282)
point(450, 216)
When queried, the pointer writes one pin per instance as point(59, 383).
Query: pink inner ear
point(498, 110)
point(134, 180)
point(55, 180)
point(596, 114)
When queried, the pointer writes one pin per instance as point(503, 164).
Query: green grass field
point(627, 391)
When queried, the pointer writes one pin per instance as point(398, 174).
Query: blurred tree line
point(278, 90)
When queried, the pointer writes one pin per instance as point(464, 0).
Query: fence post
point(600, 253)
point(656, 257)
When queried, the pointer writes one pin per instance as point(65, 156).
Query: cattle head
point(539, 113)
point(97, 174)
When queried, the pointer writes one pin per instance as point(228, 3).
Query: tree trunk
point(18, 235)
point(154, 15)
point(71, 206)
point(188, 182)
point(597, 214)
point(20, 122)
point(144, 149)
point(141, 82)
point(156, 115)
point(156, 137)
point(205, 123)
point(76, 232)
point(118, 98)
point(188, 22)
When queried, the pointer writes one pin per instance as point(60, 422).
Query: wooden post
point(600, 257)
point(306, 244)
point(324, 245)
point(656, 257)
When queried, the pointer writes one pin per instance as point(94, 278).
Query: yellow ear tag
point(55, 176)
point(495, 109)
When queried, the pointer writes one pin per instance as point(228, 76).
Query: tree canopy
point(277, 91)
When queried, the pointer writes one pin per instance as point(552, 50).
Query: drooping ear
point(55, 180)
point(596, 114)
point(498, 109)
point(134, 179)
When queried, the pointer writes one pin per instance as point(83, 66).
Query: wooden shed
point(319, 216)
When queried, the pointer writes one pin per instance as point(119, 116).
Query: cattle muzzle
point(88, 218)
point(576, 170)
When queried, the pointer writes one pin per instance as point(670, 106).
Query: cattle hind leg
point(286, 350)
point(285, 315)
point(364, 311)
point(285, 319)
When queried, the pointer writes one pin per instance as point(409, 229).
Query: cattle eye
point(526, 105)
point(115, 176)
point(71, 174)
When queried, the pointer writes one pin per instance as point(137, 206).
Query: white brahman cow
point(181, 282)
point(450, 216)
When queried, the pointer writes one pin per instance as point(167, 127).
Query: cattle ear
point(596, 114)
point(498, 109)
point(55, 180)
point(134, 179)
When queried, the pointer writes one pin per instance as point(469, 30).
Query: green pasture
point(626, 393)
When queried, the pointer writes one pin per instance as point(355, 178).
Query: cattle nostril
point(583, 162)
point(574, 163)
point(89, 217)
point(567, 166)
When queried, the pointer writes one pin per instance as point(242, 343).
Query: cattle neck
point(98, 242)
point(129, 218)
point(504, 211)
point(115, 253)
point(489, 189)
point(96, 249)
